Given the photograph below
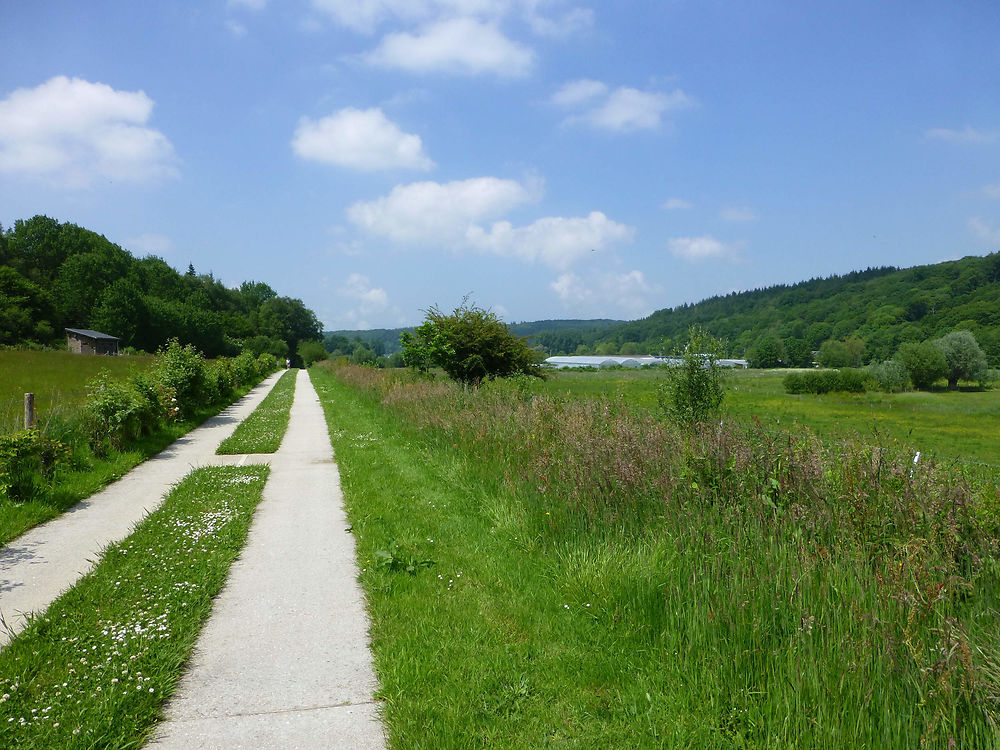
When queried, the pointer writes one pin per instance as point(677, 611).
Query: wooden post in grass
point(29, 410)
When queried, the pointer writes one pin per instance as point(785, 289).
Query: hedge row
point(117, 413)
point(826, 381)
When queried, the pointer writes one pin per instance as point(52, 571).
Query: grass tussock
point(728, 586)
point(95, 669)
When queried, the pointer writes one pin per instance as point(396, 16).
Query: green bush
point(182, 368)
point(266, 364)
point(890, 376)
point(924, 362)
point(245, 369)
point(27, 460)
point(826, 381)
point(692, 391)
point(115, 414)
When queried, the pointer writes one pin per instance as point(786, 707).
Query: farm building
point(82, 341)
point(640, 360)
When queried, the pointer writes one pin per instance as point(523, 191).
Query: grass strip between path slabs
point(96, 668)
point(263, 430)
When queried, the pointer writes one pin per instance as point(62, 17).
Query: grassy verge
point(88, 473)
point(948, 424)
point(95, 669)
point(546, 574)
point(263, 430)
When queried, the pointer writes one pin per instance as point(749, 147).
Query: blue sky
point(552, 158)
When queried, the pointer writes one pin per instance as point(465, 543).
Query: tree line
point(56, 275)
point(870, 313)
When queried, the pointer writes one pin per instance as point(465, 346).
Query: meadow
point(553, 572)
point(57, 379)
point(960, 425)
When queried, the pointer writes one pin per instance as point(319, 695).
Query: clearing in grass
point(95, 669)
point(549, 572)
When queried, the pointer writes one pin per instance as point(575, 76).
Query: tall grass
point(759, 590)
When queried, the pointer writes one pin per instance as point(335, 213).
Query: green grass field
point(568, 573)
point(57, 379)
point(948, 424)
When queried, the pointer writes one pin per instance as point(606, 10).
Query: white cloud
point(151, 243)
point(367, 302)
point(984, 231)
point(434, 212)
point(569, 23)
point(677, 204)
point(451, 215)
point(622, 110)
point(556, 241)
point(622, 291)
point(579, 92)
point(249, 4)
point(699, 248)
point(737, 213)
point(361, 139)
point(969, 135)
point(74, 132)
point(236, 29)
point(457, 45)
point(992, 191)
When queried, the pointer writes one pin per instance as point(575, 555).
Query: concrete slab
point(38, 566)
point(283, 661)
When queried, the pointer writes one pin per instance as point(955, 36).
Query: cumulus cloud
point(434, 212)
point(737, 213)
point(622, 110)
point(75, 132)
point(700, 248)
point(456, 45)
point(677, 204)
point(626, 292)
point(366, 302)
point(457, 215)
point(984, 231)
point(556, 241)
point(362, 139)
point(968, 135)
point(569, 23)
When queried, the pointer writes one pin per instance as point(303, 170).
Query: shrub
point(311, 352)
point(245, 369)
point(266, 364)
point(182, 368)
point(692, 391)
point(963, 358)
point(27, 459)
point(826, 381)
point(924, 362)
point(890, 376)
point(115, 414)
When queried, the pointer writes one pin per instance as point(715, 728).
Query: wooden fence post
point(29, 410)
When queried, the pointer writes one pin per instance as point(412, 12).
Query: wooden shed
point(82, 341)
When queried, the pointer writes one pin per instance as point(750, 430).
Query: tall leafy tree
point(963, 358)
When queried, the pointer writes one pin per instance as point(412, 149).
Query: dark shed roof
point(92, 334)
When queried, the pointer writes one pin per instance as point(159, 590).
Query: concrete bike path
point(283, 661)
point(43, 562)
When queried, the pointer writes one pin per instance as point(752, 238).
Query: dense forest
point(55, 275)
point(879, 308)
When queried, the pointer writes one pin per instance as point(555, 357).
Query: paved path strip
point(283, 661)
point(43, 562)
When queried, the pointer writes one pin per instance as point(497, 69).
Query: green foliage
point(470, 345)
point(963, 357)
point(311, 352)
point(924, 362)
point(767, 352)
point(890, 375)
point(182, 369)
point(692, 390)
point(117, 413)
point(27, 461)
point(826, 381)
point(55, 275)
point(847, 353)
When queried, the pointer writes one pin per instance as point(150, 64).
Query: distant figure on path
point(288, 363)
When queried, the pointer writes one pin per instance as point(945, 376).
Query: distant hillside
point(882, 306)
point(386, 340)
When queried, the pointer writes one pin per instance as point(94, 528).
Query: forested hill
point(55, 275)
point(883, 307)
point(386, 340)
